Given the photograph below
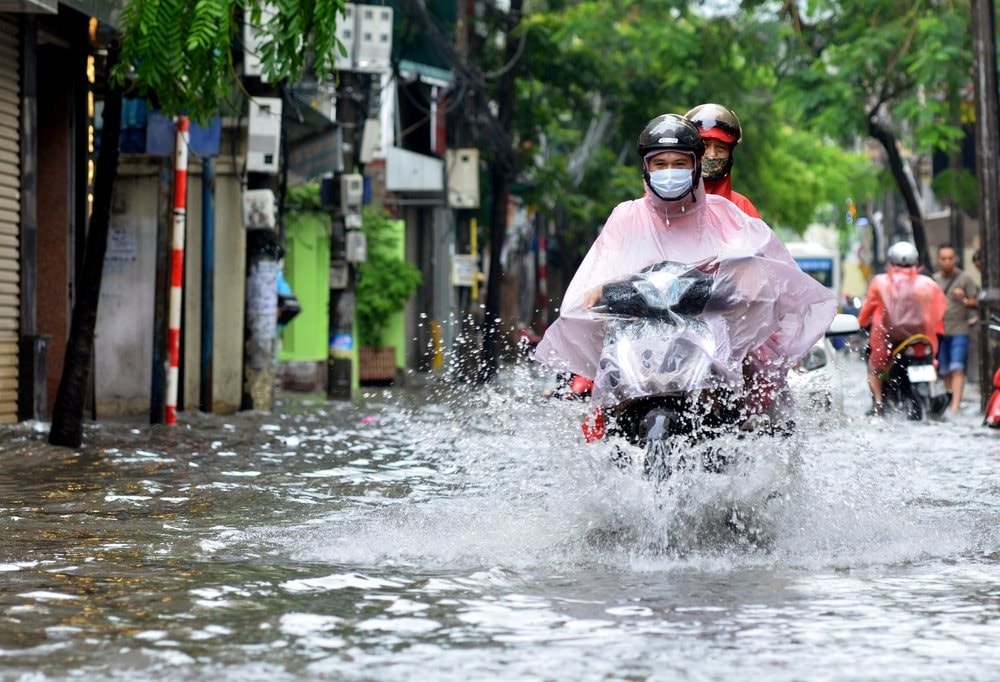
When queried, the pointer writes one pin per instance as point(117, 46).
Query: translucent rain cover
point(761, 306)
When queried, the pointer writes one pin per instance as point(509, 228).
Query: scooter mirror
point(843, 324)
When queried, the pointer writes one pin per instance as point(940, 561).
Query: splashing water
point(456, 532)
point(517, 487)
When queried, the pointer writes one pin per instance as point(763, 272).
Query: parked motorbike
point(910, 384)
point(992, 416)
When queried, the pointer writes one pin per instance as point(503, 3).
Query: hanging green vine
point(179, 52)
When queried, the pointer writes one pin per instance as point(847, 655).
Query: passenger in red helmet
point(720, 130)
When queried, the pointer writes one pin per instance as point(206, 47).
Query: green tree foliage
point(304, 197)
point(385, 281)
point(179, 52)
point(596, 71)
point(847, 61)
point(896, 71)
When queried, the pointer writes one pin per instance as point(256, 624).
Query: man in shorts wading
point(962, 293)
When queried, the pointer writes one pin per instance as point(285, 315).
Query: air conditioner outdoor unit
point(264, 135)
point(462, 171)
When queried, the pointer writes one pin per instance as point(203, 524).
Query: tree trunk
point(67, 414)
point(489, 363)
point(904, 181)
point(500, 175)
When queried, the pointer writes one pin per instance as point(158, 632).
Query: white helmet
point(903, 254)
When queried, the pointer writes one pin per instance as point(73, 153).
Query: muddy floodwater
point(470, 534)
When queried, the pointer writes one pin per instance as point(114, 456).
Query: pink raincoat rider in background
point(779, 312)
point(902, 281)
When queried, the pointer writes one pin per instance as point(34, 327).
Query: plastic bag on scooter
point(653, 356)
point(657, 339)
point(756, 302)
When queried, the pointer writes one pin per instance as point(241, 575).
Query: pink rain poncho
point(918, 306)
point(764, 307)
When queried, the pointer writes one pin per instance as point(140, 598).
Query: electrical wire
point(490, 75)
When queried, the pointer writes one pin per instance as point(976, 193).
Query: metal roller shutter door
point(10, 217)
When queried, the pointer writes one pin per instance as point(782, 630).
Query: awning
point(302, 120)
point(407, 171)
point(105, 11)
point(431, 75)
point(315, 142)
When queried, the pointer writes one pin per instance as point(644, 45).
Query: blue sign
point(161, 133)
point(813, 264)
point(341, 343)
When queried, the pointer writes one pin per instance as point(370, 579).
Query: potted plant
point(385, 282)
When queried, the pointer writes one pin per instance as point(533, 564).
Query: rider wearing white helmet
point(899, 303)
point(903, 254)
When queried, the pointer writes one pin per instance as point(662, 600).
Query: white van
point(821, 263)
point(817, 381)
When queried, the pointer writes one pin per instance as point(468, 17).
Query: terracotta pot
point(377, 364)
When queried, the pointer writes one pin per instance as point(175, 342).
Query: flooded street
point(431, 535)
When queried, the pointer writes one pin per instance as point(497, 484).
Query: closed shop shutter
point(10, 217)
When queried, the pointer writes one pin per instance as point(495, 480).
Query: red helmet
point(716, 122)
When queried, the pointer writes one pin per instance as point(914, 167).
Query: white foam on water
point(503, 478)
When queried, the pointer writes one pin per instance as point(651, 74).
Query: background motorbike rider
point(903, 279)
point(778, 311)
point(720, 129)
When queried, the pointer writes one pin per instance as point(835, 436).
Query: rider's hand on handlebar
point(592, 297)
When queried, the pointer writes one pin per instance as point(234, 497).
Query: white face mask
point(671, 183)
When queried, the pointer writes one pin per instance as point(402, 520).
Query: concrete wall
point(124, 344)
point(228, 292)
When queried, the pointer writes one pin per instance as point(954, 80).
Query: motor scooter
point(672, 367)
point(992, 415)
point(910, 384)
point(655, 369)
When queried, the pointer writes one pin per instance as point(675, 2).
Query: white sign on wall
point(463, 270)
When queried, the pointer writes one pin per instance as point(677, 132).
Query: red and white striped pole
point(177, 266)
point(543, 279)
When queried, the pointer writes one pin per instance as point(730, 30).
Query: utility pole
point(502, 171)
point(263, 249)
point(205, 400)
point(465, 359)
point(176, 301)
point(342, 341)
point(988, 177)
